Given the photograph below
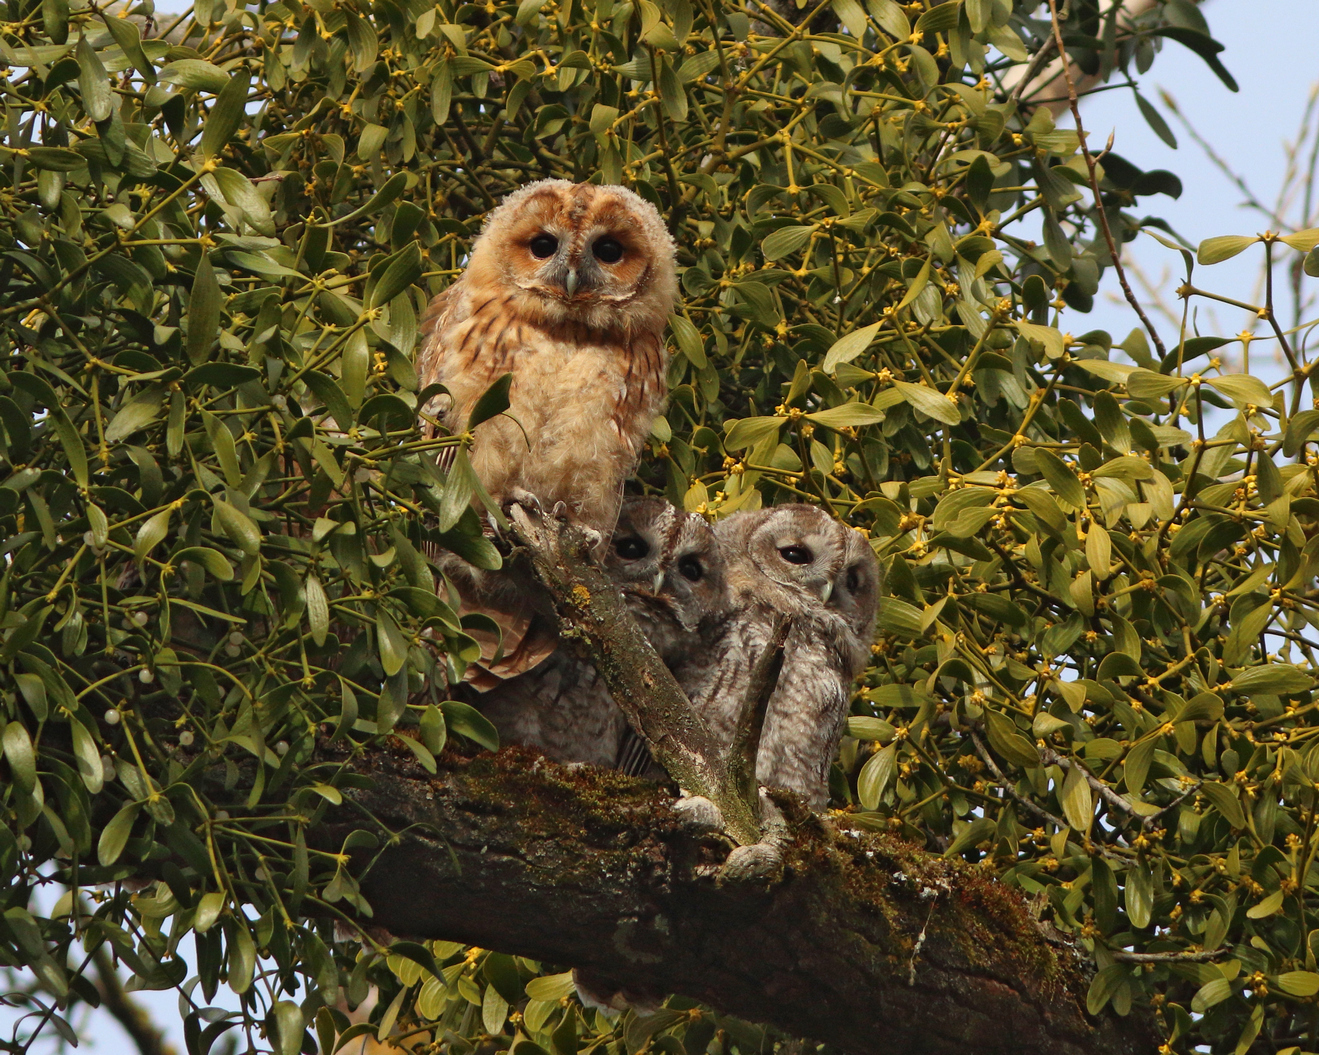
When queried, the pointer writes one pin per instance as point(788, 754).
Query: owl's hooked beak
point(826, 591)
point(659, 581)
point(570, 281)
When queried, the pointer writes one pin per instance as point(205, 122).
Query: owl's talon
point(697, 813)
point(528, 501)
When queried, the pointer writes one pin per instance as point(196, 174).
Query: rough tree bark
point(866, 942)
point(861, 940)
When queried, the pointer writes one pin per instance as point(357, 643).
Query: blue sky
point(1273, 52)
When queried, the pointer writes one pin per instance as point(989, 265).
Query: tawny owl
point(797, 560)
point(666, 563)
point(568, 287)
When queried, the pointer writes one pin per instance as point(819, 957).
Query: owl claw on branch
point(591, 609)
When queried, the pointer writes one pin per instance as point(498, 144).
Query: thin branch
point(751, 720)
point(1094, 186)
point(1106, 793)
point(592, 610)
point(1006, 785)
point(1206, 956)
point(1220, 163)
point(149, 1038)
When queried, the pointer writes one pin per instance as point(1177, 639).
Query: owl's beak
point(570, 282)
point(659, 581)
point(826, 591)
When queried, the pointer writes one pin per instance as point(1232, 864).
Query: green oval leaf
point(392, 644)
point(318, 609)
point(239, 527)
point(93, 82)
point(847, 348)
point(115, 834)
point(876, 775)
point(1275, 679)
point(471, 723)
point(785, 240)
point(1224, 247)
point(1242, 389)
point(215, 562)
point(21, 757)
point(208, 911)
point(194, 74)
point(401, 272)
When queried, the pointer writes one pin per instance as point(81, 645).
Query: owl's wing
point(561, 707)
point(523, 641)
point(525, 630)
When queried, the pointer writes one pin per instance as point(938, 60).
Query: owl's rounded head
point(579, 253)
point(666, 561)
point(800, 548)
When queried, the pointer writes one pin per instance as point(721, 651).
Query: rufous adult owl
point(799, 561)
point(666, 562)
point(568, 287)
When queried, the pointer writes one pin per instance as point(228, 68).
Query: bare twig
point(1221, 163)
point(1205, 956)
point(1094, 186)
point(1103, 790)
point(1006, 784)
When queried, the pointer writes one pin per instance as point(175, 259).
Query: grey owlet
point(799, 561)
point(666, 563)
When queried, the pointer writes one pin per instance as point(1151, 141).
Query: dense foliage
point(217, 233)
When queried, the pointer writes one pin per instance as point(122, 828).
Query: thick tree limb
point(867, 943)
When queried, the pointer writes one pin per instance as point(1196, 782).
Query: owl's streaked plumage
point(666, 562)
point(795, 560)
point(569, 288)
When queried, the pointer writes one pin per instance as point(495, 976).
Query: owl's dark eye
point(796, 554)
point(690, 568)
point(543, 246)
point(608, 250)
point(853, 580)
point(631, 548)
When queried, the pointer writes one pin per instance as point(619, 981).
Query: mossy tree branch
point(867, 943)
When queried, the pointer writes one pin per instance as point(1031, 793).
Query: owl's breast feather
point(581, 406)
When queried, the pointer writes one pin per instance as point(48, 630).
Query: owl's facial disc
point(574, 268)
